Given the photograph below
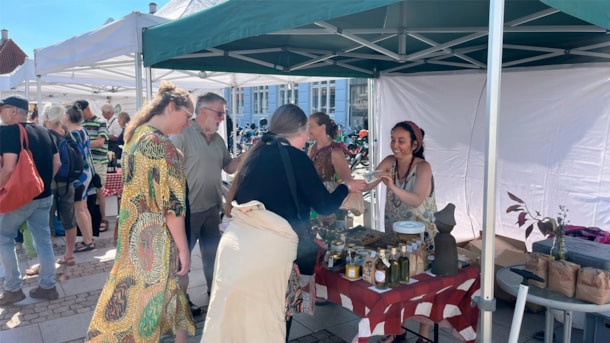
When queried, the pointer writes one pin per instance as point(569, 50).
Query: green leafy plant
point(546, 225)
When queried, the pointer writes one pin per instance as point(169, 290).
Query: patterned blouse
point(396, 210)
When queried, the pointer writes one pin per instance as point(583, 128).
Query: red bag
point(25, 183)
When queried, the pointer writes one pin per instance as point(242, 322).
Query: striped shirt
point(96, 127)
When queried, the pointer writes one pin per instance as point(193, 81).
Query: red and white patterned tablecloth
point(114, 184)
point(444, 300)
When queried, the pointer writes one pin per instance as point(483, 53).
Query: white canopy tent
point(552, 146)
point(108, 61)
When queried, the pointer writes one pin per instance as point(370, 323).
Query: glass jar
point(559, 250)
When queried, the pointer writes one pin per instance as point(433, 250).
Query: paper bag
point(537, 263)
point(353, 203)
point(562, 277)
point(593, 285)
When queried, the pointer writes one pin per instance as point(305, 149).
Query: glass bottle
point(405, 273)
point(382, 270)
point(394, 269)
point(559, 250)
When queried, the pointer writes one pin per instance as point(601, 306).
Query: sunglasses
point(218, 113)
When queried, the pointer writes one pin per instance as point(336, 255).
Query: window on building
point(358, 101)
point(239, 97)
point(260, 100)
point(289, 94)
point(323, 97)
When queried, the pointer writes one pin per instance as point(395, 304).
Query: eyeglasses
point(189, 115)
point(218, 113)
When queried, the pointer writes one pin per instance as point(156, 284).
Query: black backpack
point(72, 164)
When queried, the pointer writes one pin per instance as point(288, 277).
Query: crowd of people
point(172, 160)
point(65, 196)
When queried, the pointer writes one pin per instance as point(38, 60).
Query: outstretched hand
point(356, 185)
point(387, 180)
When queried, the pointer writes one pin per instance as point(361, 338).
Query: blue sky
point(34, 24)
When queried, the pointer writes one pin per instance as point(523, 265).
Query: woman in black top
point(263, 176)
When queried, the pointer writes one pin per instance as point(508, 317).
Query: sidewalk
point(67, 318)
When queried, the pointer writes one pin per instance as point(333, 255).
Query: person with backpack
point(63, 183)
point(72, 120)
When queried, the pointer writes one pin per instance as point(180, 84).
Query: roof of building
point(11, 56)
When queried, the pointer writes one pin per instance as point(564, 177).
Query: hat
point(17, 101)
point(81, 104)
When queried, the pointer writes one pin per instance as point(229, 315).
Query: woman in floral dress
point(142, 299)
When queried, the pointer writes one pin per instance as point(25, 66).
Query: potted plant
point(546, 225)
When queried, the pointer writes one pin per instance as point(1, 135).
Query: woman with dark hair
point(410, 185)
point(269, 217)
point(142, 299)
point(328, 156)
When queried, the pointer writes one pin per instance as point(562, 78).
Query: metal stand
point(521, 299)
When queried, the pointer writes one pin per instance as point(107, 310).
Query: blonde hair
point(167, 93)
point(53, 113)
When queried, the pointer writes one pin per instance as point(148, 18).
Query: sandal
point(82, 246)
point(104, 225)
point(66, 261)
point(33, 271)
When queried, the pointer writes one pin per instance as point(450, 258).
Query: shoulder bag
point(25, 183)
point(309, 252)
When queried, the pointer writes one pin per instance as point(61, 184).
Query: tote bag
point(25, 183)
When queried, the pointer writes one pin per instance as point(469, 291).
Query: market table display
point(510, 281)
point(443, 300)
point(114, 184)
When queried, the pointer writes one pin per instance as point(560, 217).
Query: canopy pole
point(138, 68)
point(494, 73)
point(373, 151)
point(148, 84)
point(233, 115)
point(38, 91)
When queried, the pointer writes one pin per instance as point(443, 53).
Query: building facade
point(344, 100)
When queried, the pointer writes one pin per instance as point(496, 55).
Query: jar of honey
point(352, 271)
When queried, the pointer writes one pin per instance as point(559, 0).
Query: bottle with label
point(382, 270)
point(368, 267)
point(394, 269)
point(405, 272)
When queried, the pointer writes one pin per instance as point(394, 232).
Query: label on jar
point(380, 276)
point(352, 272)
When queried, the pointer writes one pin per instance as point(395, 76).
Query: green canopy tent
point(363, 38)
point(388, 37)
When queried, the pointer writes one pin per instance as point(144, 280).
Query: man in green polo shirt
point(205, 158)
point(98, 134)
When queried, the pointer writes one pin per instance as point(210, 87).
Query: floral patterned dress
point(396, 210)
point(142, 299)
point(322, 161)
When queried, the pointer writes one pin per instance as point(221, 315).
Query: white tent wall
point(21, 73)
point(553, 142)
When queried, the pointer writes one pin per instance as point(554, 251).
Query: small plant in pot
point(546, 225)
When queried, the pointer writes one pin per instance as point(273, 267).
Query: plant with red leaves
point(546, 225)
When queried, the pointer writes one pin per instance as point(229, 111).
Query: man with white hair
point(114, 128)
point(14, 113)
